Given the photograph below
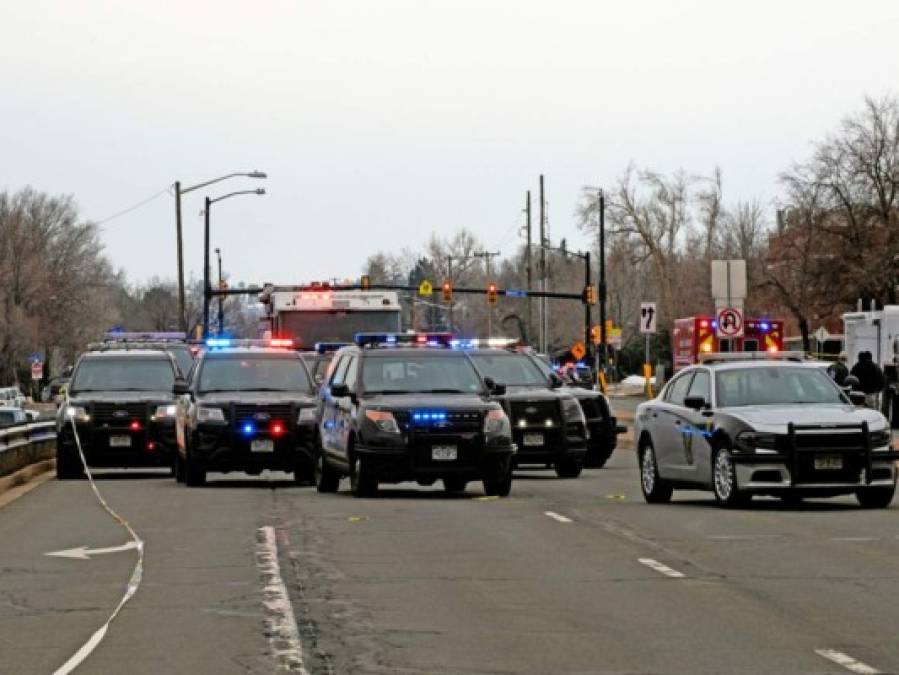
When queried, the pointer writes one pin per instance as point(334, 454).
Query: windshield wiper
point(386, 392)
point(268, 389)
point(445, 391)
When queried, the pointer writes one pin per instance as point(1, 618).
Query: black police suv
point(247, 407)
point(548, 424)
point(173, 343)
point(122, 405)
point(602, 425)
point(407, 408)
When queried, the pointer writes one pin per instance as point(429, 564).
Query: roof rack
point(731, 357)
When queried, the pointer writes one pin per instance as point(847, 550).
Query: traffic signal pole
point(604, 339)
point(587, 313)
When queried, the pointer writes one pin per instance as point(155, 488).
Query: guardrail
point(26, 444)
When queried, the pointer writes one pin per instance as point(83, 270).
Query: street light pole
point(207, 291)
point(603, 347)
point(178, 229)
point(218, 252)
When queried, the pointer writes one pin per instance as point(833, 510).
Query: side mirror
point(851, 382)
point(555, 381)
point(696, 403)
point(340, 390)
point(857, 397)
point(180, 387)
point(494, 388)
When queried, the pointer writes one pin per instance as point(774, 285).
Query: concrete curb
point(25, 480)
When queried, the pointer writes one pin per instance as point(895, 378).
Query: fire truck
point(697, 335)
point(317, 313)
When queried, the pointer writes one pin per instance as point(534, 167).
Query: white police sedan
point(745, 424)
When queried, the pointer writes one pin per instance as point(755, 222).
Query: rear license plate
point(120, 441)
point(533, 440)
point(262, 445)
point(829, 463)
point(444, 453)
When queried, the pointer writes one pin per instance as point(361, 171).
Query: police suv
point(757, 423)
point(249, 406)
point(548, 424)
point(121, 403)
point(401, 407)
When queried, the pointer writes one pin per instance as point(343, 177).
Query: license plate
point(262, 445)
point(829, 463)
point(444, 453)
point(533, 440)
point(120, 441)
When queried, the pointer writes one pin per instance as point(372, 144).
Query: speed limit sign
point(730, 323)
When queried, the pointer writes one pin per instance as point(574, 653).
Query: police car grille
point(122, 413)
point(276, 412)
point(457, 421)
point(828, 441)
point(536, 414)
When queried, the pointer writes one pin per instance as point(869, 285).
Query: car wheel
point(597, 457)
point(194, 472)
point(326, 479)
point(724, 480)
point(875, 497)
point(303, 472)
point(498, 483)
point(363, 483)
point(453, 484)
point(655, 490)
point(568, 467)
point(68, 463)
point(179, 467)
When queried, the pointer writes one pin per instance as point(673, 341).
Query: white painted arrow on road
point(85, 553)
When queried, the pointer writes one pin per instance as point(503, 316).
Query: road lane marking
point(281, 623)
point(558, 517)
point(85, 553)
point(847, 662)
point(660, 568)
point(855, 539)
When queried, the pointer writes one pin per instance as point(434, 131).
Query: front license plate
point(262, 445)
point(829, 463)
point(120, 441)
point(533, 440)
point(444, 453)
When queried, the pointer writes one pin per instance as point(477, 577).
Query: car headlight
point(572, 411)
point(496, 421)
point(750, 441)
point(77, 413)
point(881, 439)
point(384, 420)
point(306, 416)
point(210, 414)
point(166, 411)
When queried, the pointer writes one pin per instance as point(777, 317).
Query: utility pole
point(530, 270)
point(543, 323)
point(218, 252)
point(487, 255)
point(449, 277)
point(182, 311)
point(588, 319)
point(206, 288)
point(604, 355)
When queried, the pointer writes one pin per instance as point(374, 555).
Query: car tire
point(178, 467)
point(363, 482)
point(655, 490)
point(875, 497)
point(68, 463)
point(326, 479)
point(454, 485)
point(597, 457)
point(724, 480)
point(194, 472)
point(569, 467)
point(498, 483)
point(303, 473)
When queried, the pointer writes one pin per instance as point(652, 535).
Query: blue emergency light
point(248, 429)
point(218, 342)
point(326, 347)
point(403, 339)
point(428, 416)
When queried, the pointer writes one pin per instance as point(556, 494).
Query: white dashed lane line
point(849, 663)
point(660, 568)
point(557, 517)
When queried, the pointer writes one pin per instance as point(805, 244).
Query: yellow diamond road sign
point(425, 289)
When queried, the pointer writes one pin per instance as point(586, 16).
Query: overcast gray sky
point(380, 122)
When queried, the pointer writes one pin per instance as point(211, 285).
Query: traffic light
point(595, 335)
point(589, 295)
point(365, 282)
point(447, 291)
point(492, 294)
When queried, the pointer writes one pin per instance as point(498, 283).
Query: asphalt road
point(564, 576)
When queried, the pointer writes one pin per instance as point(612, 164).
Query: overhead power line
point(135, 206)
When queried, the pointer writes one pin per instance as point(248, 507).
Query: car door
point(694, 429)
point(345, 409)
point(328, 424)
point(666, 419)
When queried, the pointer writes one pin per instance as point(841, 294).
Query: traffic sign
point(37, 370)
point(578, 350)
point(425, 289)
point(730, 323)
point(648, 318)
point(821, 335)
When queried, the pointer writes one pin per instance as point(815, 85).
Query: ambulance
point(697, 335)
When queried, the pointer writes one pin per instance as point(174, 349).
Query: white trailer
point(877, 331)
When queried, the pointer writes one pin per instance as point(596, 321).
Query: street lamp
point(178, 192)
point(206, 290)
point(218, 253)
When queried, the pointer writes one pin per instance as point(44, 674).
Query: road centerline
point(847, 662)
point(558, 517)
point(661, 568)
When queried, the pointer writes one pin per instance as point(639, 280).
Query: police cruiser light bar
point(327, 347)
point(224, 343)
point(120, 336)
point(403, 339)
point(729, 357)
point(481, 343)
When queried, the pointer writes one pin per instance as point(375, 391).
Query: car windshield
point(253, 372)
point(124, 374)
point(782, 385)
point(510, 369)
point(184, 357)
point(7, 418)
point(419, 373)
